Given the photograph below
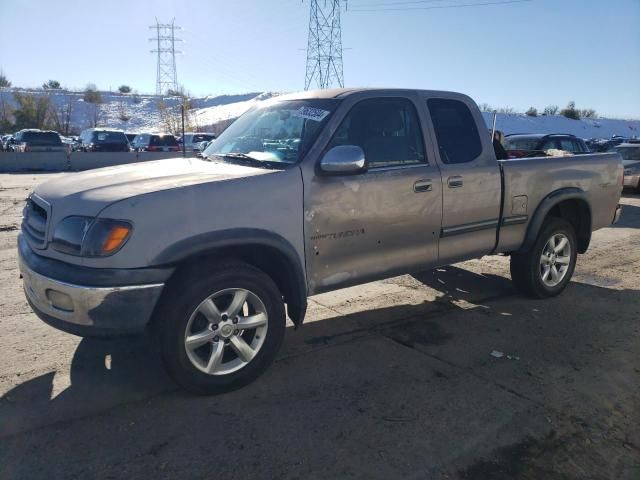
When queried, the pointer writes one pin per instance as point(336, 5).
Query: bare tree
point(4, 81)
point(123, 111)
point(171, 116)
point(51, 85)
point(93, 98)
point(32, 111)
point(6, 116)
point(62, 111)
point(551, 110)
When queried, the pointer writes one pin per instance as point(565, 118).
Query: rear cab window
point(456, 131)
point(519, 143)
point(41, 139)
point(163, 141)
point(109, 137)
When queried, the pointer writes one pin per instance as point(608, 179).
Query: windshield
point(279, 132)
point(629, 153)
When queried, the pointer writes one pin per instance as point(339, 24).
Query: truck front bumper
point(87, 310)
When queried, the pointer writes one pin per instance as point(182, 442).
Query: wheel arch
point(572, 205)
point(265, 250)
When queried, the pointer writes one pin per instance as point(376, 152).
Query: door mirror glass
point(344, 160)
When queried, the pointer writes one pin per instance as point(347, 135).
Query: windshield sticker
point(311, 113)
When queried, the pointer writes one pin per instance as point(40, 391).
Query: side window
point(549, 144)
point(386, 129)
point(456, 130)
point(568, 145)
point(579, 147)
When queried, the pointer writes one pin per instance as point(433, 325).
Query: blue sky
point(534, 53)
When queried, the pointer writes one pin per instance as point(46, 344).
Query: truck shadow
point(105, 373)
point(108, 373)
point(630, 216)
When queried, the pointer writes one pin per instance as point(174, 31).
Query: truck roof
point(345, 92)
point(539, 135)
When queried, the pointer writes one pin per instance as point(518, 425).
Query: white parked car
point(192, 140)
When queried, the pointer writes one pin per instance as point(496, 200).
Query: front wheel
point(546, 269)
point(221, 327)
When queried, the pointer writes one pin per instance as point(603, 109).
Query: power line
point(166, 74)
point(388, 4)
point(324, 45)
point(433, 7)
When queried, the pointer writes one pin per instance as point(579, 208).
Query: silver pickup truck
point(304, 194)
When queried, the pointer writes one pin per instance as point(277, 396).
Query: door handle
point(423, 186)
point(454, 182)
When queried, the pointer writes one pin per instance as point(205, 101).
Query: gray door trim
point(468, 228)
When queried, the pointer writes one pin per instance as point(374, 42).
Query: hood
point(107, 185)
point(630, 163)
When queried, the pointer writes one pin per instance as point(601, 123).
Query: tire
point(529, 269)
point(222, 362)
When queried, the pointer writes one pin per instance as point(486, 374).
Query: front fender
point(293, 275)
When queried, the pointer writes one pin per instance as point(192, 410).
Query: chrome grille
point(35, 221)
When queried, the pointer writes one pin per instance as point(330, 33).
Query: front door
point(382, 222)
point(470, 180)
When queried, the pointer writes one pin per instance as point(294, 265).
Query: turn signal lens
point(105, 237)
point(116, 237)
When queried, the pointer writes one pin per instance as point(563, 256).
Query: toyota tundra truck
point(303, 194)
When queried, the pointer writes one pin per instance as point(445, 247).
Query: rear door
point(382, 222)
point(470, 179)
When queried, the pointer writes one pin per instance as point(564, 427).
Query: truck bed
point(527, 181)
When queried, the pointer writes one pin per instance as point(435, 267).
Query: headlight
point(69, 233)
point(90, 237)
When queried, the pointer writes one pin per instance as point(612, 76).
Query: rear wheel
point(221, 328)
point(546, 269)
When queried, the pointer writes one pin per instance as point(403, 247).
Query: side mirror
point(344, 160)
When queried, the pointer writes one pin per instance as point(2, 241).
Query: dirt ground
point(392, 379)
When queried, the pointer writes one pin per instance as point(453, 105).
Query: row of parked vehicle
point(102, 140)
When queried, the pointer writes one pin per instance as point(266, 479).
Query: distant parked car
point(150, 142)
point(33, 140)
point(103, 140)
point(191, 140)
point(201, 147)
point(630, 153)
point(533, 145)
point(130, 136)
point(6, 142)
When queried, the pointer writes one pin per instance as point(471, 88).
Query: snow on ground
point(137, 113)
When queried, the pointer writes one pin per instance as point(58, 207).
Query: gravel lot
point(391, 379)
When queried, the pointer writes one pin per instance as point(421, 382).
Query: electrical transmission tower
point(324, 47)
point(167, 76)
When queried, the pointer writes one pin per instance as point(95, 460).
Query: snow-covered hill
point(136, 113)
point(584, 128)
